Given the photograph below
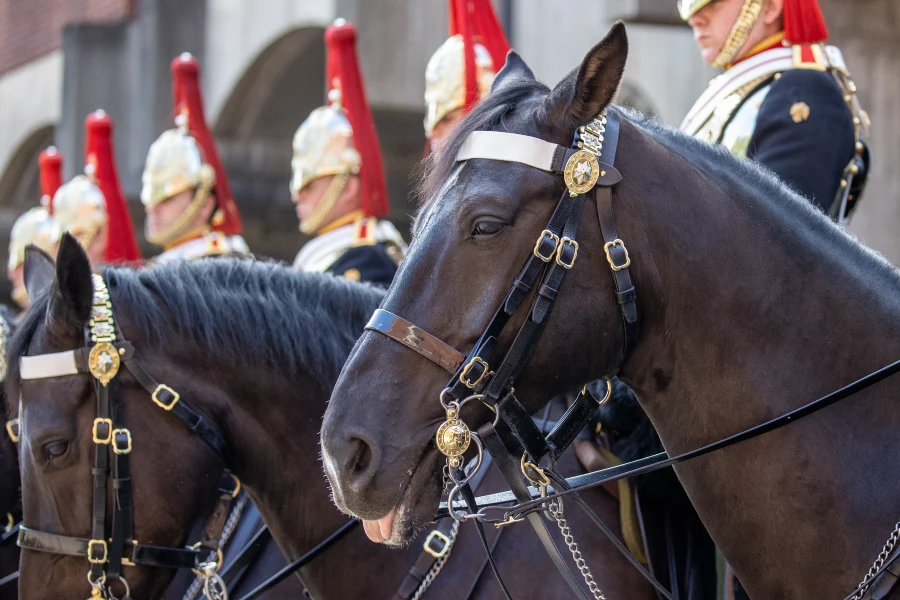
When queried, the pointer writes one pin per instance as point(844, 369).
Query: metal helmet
point(80, 208)
point(445, 80)
point(323, 145)
point(461, 71)
point(34, 226)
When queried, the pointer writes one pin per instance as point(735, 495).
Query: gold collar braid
point(739, 34)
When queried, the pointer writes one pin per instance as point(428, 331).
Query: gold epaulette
point(810, 56)
point(364, 232)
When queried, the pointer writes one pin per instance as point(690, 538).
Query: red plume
point(98, 150)
point(340, 39)
point(476, 21)
point(50, 163)
point(189, 102)
point(804, 22)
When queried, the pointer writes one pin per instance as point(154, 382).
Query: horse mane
point(234, 312)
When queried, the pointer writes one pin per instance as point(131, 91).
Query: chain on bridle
point(113, 546)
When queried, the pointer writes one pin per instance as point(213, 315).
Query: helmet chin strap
point(180, 227)
point(315, 221)
point(740, 33)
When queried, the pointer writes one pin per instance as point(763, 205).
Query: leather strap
point(510, 471)
point(415, 338)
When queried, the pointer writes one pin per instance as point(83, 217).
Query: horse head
point(173, 472)
point(479, 220)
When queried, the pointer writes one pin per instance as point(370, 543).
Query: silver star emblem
point(582, 172)
point(105, 362)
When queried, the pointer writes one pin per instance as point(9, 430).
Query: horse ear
point(73, 291)
point(515, 69)
point(586, 91)
point(38, 271)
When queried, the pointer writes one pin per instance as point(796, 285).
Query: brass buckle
point(12, 430)
point(95, 434)
point(537, 245)
point(609, 246)
point(559, 250)
point(90, 552)
point(175, 395)
point(464, 376)
point(115, 442)
point(437, 535)
point(542, 481)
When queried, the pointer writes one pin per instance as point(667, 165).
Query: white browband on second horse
point(44, 366)
point(509, 147)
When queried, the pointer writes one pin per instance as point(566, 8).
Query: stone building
point(263, 72)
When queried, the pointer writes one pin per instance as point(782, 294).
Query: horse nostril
point(363, 456)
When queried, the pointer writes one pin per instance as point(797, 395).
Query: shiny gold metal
point(464, 376)
point(800, 112)
point(95, 433)
point(688, 8)
point(562, 244)
point(314, 222)
point(34, 226)
point(175, 397)
point(609, 246)
point(12, 430)
point(437, 535)
point(608, 393)
point(174, 164)
point(445, 79)
point(529, 467)
point(90, 554)
point(537, 245)
point(80, 208)
point(115, 446)
point(739, 34)
point(453, 436)
point(10, 523)
point(323, 145)
point(581, 172)
point(508, 521)
point(218, 561)
point(103, 362)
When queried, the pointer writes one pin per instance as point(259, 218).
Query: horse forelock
point(488, 115)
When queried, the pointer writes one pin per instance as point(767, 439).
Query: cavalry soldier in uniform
point(36, 225)
point(461, 71)
point(91, 206)
point(338, 183)
point(785, 99)
point(190, 210)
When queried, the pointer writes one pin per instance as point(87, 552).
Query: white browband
point(44, 366)
point(509, 147)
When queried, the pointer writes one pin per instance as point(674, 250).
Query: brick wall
point(31, 28)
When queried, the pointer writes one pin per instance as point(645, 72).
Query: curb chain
point(556, 511)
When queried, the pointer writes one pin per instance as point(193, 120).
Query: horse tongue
point(380, 531)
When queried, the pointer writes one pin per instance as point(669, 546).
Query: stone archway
point(256, 124)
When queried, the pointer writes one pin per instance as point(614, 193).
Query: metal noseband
point(106, 550)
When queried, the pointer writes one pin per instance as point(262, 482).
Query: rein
point(554, 253)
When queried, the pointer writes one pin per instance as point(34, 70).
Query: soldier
point(190, 210)
point(91, 206)
point(785, 99)
point(461, 71)
point(338, 183)
point(36, 225)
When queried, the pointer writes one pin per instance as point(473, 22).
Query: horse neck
point(750, 309)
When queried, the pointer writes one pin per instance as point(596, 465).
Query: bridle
point(474, 379)
point(113, 546)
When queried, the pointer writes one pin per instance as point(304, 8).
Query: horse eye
point(55, 450)
point(488, 228)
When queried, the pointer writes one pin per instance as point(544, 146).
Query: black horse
point(10, 506)
point(752, 304)
point(255, 348)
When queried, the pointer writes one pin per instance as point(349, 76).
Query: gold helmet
point(445, 79)
point(80, 208)
point(323, 145)
point(174, 164)
point(688, 8)
point(461, 71)
point(35, 226)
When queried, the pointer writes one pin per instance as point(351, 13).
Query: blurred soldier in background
point(338, 183)
point(190, 210)
point(91, 206)
point(461, 71)
point(35, 226)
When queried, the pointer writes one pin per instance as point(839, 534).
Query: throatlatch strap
point(510, 472)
